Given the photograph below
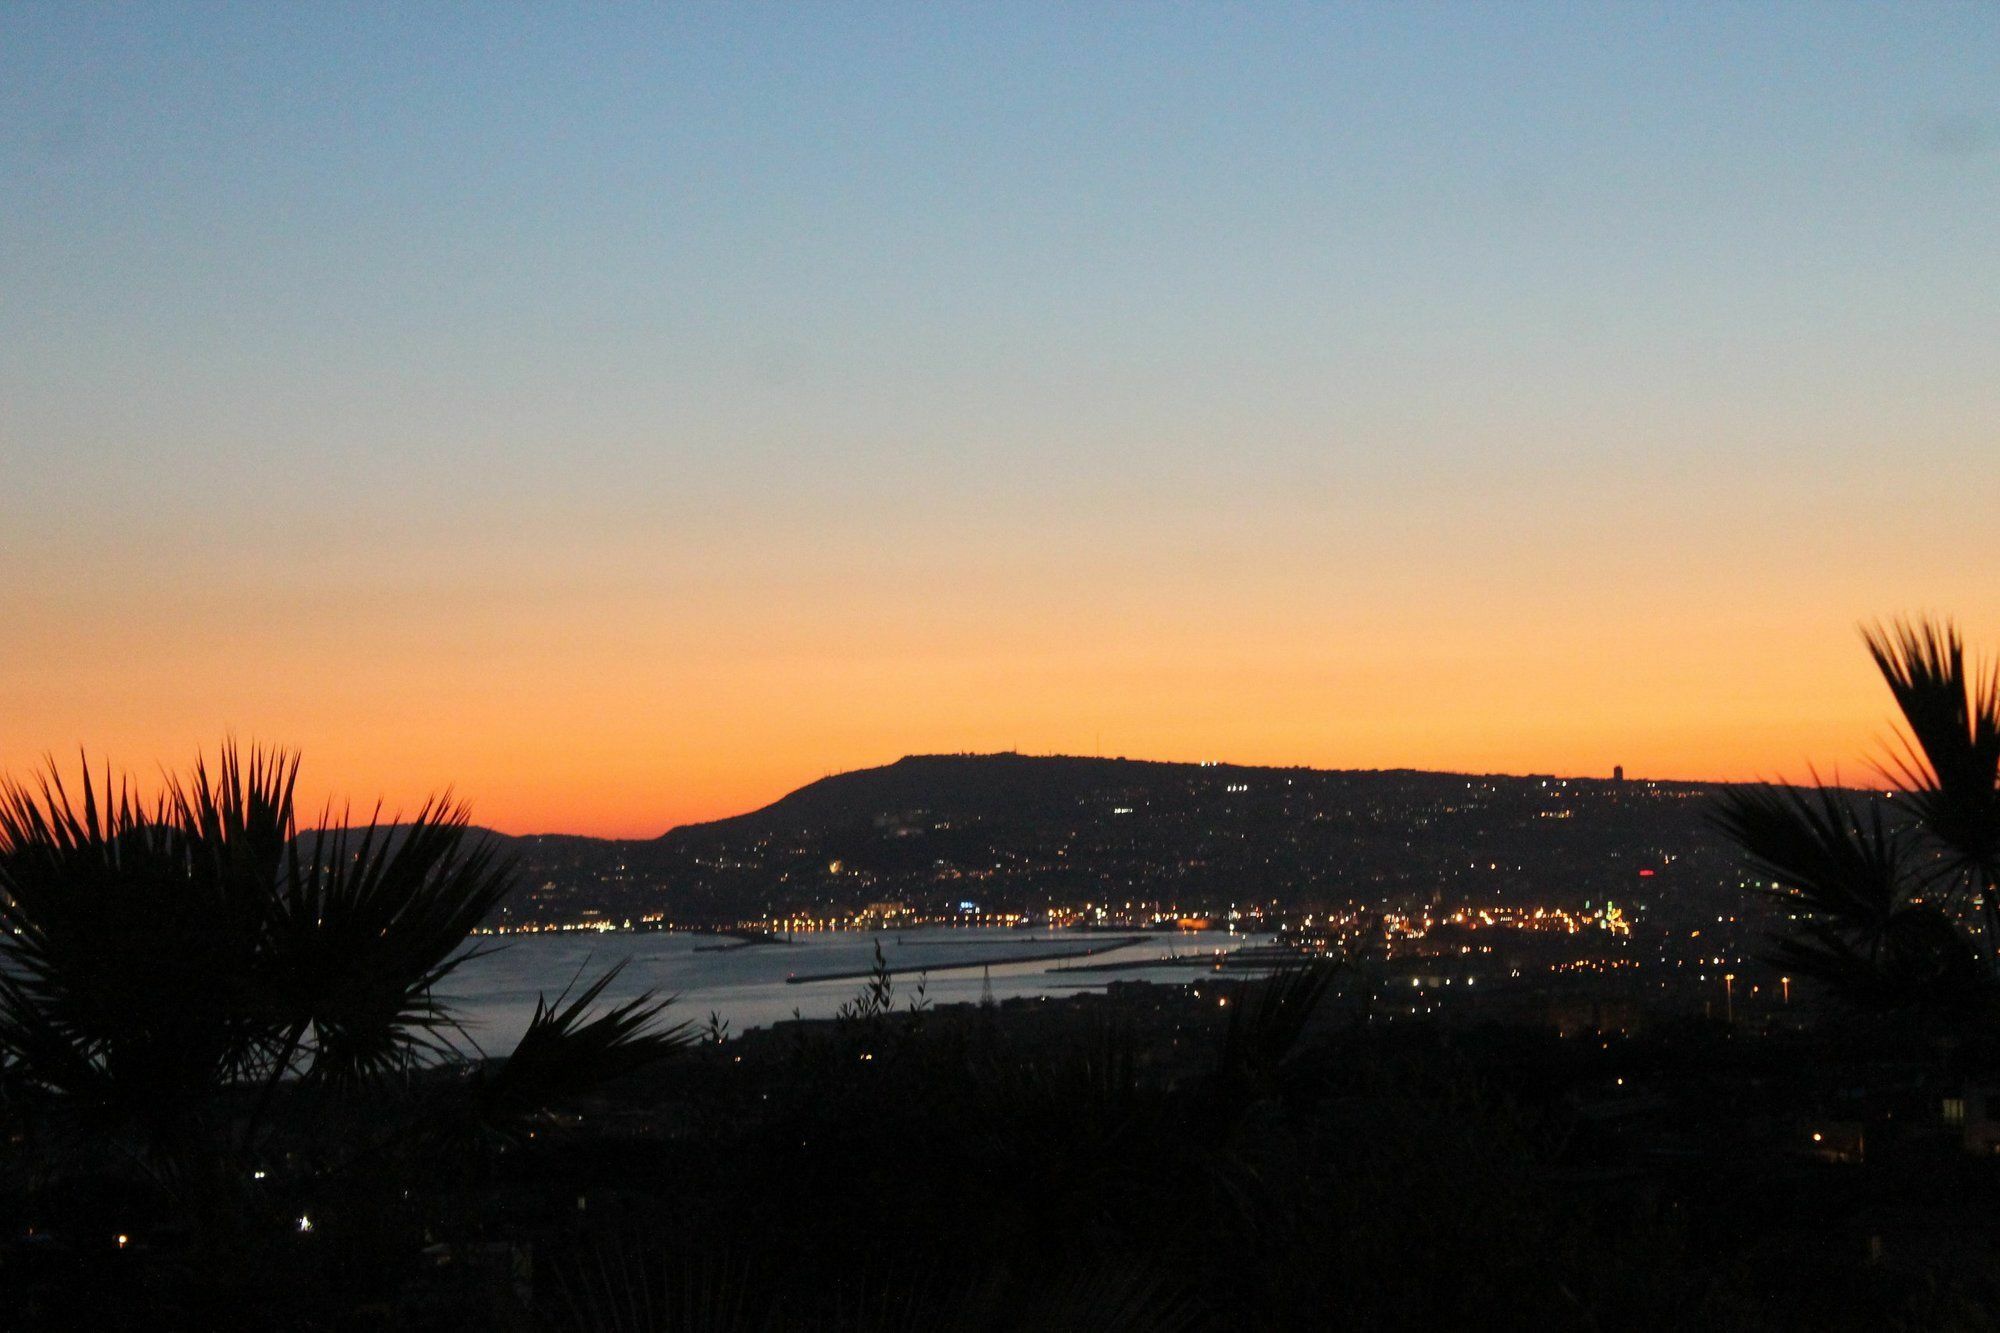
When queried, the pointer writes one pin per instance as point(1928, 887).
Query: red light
point(1643, 874)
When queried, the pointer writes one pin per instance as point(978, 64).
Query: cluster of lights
point(1609, 918)
point(553, 927)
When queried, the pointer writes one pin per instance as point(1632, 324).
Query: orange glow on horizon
point(622, 686)
point(624, 759)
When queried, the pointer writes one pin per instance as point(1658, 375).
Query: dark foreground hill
point(1018, 832)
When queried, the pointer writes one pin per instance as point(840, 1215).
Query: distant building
point(1618, 772)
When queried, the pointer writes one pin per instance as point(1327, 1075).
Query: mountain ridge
point(1028, 832)
point(903, 775)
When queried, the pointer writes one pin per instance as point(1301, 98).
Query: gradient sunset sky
point(627, 414)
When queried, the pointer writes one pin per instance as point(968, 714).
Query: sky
point(622, 415)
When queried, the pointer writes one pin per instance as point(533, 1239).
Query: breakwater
point(957, 965)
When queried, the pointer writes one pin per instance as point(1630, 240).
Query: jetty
point(957, 965)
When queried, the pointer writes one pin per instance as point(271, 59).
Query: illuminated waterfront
point(746, 984)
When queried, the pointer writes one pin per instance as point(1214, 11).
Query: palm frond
point(58, 1059)
point(1136, 1296)
point(1950, 760)
point(109, 961)
point(158, 954)
point(1843, 865)
point(366, 926)
point(614, 1282)
point(1271, 1014)
point(1925, 962)
point(1849, 871)
point(567, 1050)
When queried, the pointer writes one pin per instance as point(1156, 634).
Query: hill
point(1018, 832)
point(1012, 832)
point(958, 786)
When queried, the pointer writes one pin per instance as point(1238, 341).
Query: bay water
point(745, 985)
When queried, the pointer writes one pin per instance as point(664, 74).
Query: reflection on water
point(746, 986)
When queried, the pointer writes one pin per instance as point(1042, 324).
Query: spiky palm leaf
point(1851, 872)
point(1844, 865)
point(615, 1282)
point(1950, 762)
point(1881, 897)
point(364, 927)
point(126, 978)
point(567, 1049)
point(1270, 1016)
point(153, 958)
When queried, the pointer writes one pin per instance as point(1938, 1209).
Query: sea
point(720, 979)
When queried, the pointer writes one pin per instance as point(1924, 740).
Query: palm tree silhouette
point(193, 972)
point(1895, 896)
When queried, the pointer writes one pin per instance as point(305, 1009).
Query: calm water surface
point(747, 987)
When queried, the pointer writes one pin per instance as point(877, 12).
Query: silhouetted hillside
point(1017, 832)
point(960, 786)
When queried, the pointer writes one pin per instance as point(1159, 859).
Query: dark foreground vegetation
point(1148, 1160)
point(230, 1101)
point(1144, 1162)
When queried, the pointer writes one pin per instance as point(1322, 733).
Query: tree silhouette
point(198, 974)
point(1895, 896)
